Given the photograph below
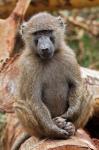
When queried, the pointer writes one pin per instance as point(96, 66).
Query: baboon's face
point(44, 43)
point(43, 35)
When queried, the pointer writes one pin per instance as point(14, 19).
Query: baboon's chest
point(55, 96)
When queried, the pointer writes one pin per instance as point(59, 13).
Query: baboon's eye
point(52, 39)
point(36, 41)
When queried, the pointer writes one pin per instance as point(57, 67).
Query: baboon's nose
point(45, 50)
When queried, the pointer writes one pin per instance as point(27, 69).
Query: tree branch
point(9, 27)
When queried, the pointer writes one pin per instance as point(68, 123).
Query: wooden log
point(81, 141)
point(14, 130)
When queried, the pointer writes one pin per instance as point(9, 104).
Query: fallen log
point(13, 131)
point(81, 141)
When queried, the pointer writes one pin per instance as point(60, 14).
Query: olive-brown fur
point(51, 98)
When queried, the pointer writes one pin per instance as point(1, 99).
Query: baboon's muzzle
point(45, 47)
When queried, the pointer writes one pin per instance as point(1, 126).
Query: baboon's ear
point(61, 21)
point(22, 27)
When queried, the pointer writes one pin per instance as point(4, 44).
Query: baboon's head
point(43, 34)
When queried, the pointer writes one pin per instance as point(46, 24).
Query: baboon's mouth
point(46, 56)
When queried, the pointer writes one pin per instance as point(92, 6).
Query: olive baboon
point(51, 99)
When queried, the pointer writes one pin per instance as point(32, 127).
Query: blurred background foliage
point(84, 43)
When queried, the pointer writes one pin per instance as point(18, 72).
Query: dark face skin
point(44, 43)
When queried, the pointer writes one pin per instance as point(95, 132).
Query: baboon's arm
point(80, 105)
point(74, 102)
point(75, 92)
point(35, 116)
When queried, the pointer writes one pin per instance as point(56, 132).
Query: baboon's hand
point(64, 124)
point(57, 132)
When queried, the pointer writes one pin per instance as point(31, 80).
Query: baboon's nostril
point(45, 50)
